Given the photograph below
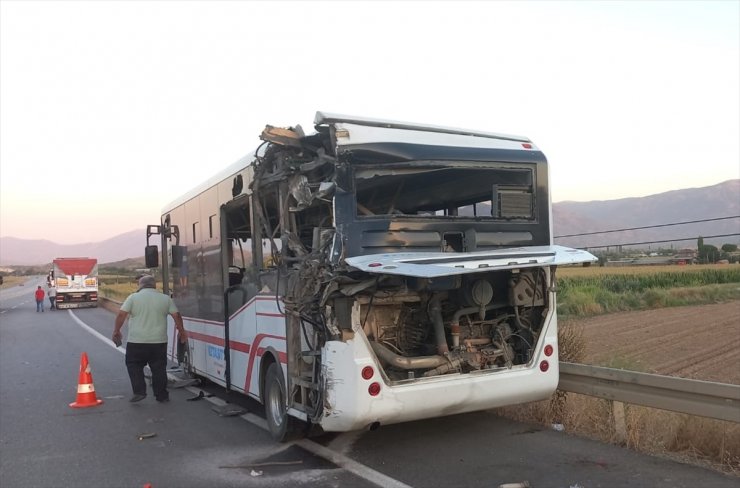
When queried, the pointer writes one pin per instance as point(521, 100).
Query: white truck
point(76, 282)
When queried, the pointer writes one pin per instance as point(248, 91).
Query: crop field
point(699, 342)
point(672, 320)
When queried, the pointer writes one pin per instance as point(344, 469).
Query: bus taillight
point(544, 366)
point(548, 350)
point(374, 388)
point(367, 372)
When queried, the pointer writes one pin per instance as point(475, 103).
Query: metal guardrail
point(704, 398)
point(108, 304)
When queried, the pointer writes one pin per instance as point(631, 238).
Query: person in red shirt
point(40, 299)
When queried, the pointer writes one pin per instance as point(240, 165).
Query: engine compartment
point(421, 328)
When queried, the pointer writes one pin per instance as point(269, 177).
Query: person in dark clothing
point(146, 311)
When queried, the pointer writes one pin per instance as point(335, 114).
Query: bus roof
point(326, 118)
point(329, 118)
point(227, 172)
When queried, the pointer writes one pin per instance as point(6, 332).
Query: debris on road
point(201, 395)
point(229, 410)
point(262, 465)
point(184, 383)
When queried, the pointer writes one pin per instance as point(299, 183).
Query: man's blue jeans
point(39, 305)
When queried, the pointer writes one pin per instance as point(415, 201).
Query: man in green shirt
point(147, 311)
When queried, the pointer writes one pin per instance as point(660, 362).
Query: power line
point(658, 242)
point(651, 227)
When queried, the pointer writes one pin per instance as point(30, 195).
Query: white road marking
point(358, 469)
point(106, 340)
point(351, 465)
point(343, 442)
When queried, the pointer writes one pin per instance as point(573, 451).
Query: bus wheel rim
point(275, 405)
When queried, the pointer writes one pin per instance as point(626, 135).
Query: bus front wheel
point(282, 426)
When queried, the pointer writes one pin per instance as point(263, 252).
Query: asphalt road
point(45, 443)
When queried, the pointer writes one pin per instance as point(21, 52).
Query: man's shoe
point(137, 398)
point(163, 399)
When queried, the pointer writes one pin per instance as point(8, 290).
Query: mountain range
point(699, 205)
point(28, 252)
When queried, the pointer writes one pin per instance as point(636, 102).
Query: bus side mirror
point(151, 256)
point(177, 255)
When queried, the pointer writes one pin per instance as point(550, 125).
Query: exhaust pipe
point(403, 362)
point(435, 313)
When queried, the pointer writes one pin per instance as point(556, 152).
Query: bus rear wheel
point(282, 426)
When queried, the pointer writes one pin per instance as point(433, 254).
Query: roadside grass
point(584, 292)
point(119, 291)
point(11, 281)
point(686, 438)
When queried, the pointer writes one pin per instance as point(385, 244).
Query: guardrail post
point(620, 426)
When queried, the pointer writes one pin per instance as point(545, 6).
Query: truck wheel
point(282, 426)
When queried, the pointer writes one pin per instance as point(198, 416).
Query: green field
point(596, 290)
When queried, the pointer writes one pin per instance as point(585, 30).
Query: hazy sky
point(110, 110)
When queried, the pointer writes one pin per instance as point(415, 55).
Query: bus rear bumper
point(350, 406)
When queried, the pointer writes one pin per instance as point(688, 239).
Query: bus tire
point(282, 426)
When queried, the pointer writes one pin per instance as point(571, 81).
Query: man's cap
point(147, 281)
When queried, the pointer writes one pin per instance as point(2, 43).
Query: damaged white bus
point(369, 273)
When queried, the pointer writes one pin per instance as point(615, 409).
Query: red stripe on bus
point(218, 341)
point(239, 346)
point(258, 351)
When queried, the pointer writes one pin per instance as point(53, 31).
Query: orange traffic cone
point(85, 389)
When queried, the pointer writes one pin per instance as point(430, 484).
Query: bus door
point(240, 288)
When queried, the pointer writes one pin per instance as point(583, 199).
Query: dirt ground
point(700, 342)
